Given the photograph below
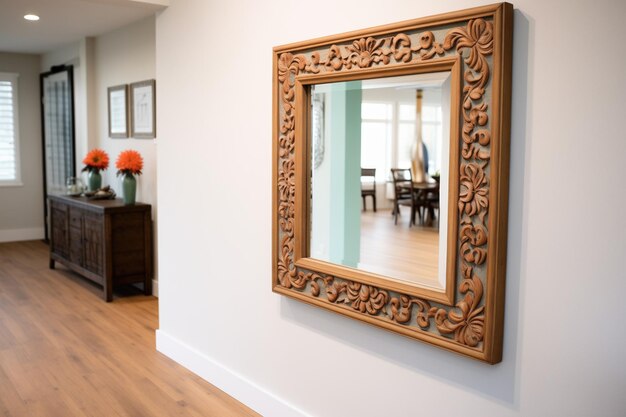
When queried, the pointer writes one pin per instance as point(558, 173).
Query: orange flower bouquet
point(96, 160)
point(129, 162)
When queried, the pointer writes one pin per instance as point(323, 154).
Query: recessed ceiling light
point(32, 17)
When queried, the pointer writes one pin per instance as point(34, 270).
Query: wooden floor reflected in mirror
point(399, 251)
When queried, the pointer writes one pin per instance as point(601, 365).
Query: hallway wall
point(21, 206)
point(563, 342)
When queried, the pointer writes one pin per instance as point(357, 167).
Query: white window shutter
point(9, 164)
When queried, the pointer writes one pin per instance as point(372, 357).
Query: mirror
point(360, 131)
point(371, 117)
point(344, 116)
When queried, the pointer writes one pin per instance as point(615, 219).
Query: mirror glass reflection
point(379, 175)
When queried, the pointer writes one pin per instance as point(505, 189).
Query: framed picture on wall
point(143, 109)
point(117, 99)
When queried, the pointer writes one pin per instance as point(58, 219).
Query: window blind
point(8, 129)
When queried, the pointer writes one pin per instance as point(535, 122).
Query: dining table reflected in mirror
point(387, 138)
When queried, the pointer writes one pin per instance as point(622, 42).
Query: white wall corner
point(235, 385)
point(155, 288)
point(18, 235)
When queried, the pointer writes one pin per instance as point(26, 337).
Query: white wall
point(124, 56)
point(21, 207)
point(564, 337)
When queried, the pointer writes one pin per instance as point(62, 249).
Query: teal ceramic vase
point(94, 180)
point(129, 189)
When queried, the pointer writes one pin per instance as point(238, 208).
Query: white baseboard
point(155, 288)
point(235, 385)
point(17, 235)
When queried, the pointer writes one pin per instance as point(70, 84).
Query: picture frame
point(117, 104)
point(143, 109)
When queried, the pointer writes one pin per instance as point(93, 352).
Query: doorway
point(59, 148)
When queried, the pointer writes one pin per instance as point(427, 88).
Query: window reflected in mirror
point(379, 157)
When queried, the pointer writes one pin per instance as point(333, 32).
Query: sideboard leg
point(147, 286)
point(108, 287)
point(51, 263)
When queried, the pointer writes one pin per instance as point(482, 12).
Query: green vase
point(94, 180)
point(129, 189)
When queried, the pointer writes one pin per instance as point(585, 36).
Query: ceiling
point(65, 21)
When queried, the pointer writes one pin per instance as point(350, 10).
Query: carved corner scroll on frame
point(469, 319)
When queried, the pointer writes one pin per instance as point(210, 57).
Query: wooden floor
point(399, 251)
point(65, 352)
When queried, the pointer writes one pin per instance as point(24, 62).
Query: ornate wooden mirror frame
point(475, 45)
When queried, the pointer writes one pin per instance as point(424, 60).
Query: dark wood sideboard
point(103, 240)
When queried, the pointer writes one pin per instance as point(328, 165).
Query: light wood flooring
point(65, 352)
point(399, 251)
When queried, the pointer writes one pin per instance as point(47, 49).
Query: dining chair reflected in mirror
point(404, 194)
point(430, 204)
point(368, 185)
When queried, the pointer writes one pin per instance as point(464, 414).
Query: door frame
point(70, 76)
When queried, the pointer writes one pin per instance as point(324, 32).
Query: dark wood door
point(76, 246)
point(60, 229)
point(93, 243)
point(76, 235)
point(57, 128)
